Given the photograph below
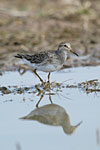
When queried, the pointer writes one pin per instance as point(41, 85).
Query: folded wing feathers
point(36, 58)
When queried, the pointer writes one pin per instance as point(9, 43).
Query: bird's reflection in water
point(41, 97)
point(53, 115)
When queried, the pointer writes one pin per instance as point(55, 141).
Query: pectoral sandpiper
point(48, 61)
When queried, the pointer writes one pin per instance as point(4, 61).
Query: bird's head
point(70, 129)
point(67, 47)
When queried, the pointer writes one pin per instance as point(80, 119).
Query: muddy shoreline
point(26, 27)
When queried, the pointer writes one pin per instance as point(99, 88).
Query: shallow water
point(21, 134)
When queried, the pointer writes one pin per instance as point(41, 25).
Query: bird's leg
point(50, 99)
point(38, 76)
point(49, 77)
point(49, 80)
point(40, 100)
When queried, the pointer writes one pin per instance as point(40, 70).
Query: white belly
point(49, 68)
point(44, 68)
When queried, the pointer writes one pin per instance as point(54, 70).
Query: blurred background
point(28, 26)
point(35, 25)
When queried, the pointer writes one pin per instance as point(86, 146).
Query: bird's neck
point(67, 127)
point(63, 54)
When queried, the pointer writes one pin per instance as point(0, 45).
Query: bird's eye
point(65, 46)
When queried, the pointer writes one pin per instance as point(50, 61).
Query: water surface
point(29, 134)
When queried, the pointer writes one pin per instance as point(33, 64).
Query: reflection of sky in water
point(34, 135)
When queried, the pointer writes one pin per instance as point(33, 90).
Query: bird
point(54, 115)
point(49, 60)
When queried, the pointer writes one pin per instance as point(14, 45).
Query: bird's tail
point(19, 56)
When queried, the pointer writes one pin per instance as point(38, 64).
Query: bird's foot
point(46, 85)
point(49, 84)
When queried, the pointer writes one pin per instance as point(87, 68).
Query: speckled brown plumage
point(48, 61)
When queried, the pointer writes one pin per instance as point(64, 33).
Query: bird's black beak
point(74, 52)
